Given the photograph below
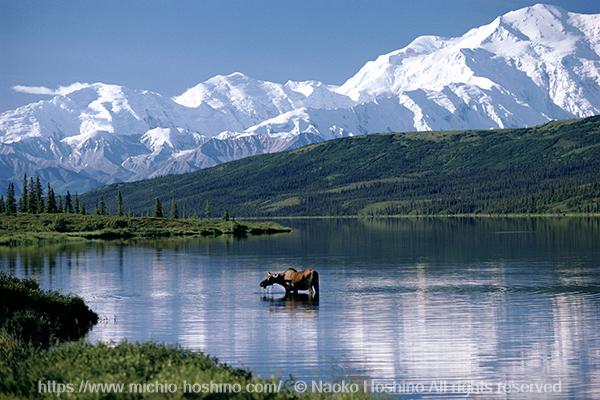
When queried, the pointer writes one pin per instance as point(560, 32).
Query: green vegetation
point(27, 229)
point(42, 318)
point(38, 218)
point(125, 364)
point(550, 169)
point(35, 363)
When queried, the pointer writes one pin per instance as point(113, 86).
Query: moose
point(293, 280)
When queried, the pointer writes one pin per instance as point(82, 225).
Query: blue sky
point(168, 46)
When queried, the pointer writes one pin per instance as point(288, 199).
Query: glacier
point(524, 68)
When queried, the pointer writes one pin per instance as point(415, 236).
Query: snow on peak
point(247, 101)
point(217, 90)
point(538, 48)
point(231, 79)
point(537, 12)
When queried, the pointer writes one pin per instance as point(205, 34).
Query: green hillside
point(553, 168)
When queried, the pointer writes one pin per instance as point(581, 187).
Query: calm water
point(459, 300)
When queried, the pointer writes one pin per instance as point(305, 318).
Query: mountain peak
point(539, 22)
point(532, 41)
point(209, 90)
point(541, 9)
point(233, 78)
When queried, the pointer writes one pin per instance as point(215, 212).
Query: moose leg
point(289, 288)
point(315, 284)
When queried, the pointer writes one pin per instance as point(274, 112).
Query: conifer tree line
point(159, 211)
point(35, 200)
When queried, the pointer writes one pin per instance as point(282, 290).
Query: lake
point(464, 301)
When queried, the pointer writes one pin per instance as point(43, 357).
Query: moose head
point(271, 279)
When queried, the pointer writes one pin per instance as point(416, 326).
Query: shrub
point(60, 225)
point(39, 317)
point(30, 326)
point(118, 223)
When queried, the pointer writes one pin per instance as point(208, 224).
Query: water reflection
point(414, 300)
point(291, 302)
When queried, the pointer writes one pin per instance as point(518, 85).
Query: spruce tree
point(174, 211)
point(24, 196)
point(2, 205)
point(206, 209)
point(82, 209)
point(32, 203)
point(59, 204)
point(68, 203)
point(102, 206)
point(97, 208)
point(39, 195)
point(158, 211)
point(11, 202)
point(77, 204)
point(51, 206)
point(226, 215)
point(119, 204)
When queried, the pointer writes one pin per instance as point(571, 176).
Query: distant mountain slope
point(524, 68)
point(550, 168)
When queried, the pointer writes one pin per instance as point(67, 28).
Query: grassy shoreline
point(29, 229)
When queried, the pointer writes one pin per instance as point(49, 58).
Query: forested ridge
point(552, 168)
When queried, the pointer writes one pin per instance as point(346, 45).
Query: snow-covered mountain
point(524, 68)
